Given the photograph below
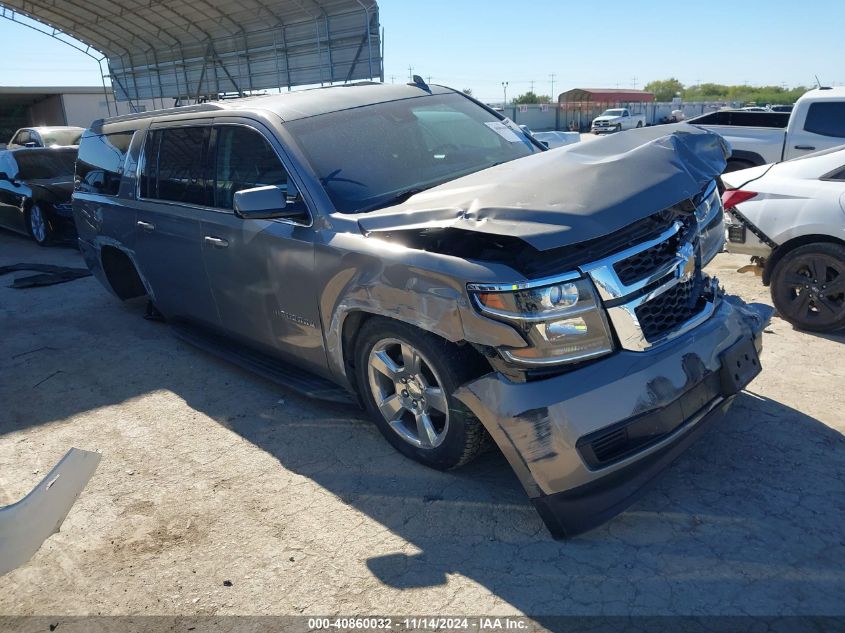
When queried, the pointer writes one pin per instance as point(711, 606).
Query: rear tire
point(39, 226)
point(405, 375)
point(808, 287)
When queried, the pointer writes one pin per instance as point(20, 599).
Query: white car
point(557, 139)
point(790, 217)
point(616, 120)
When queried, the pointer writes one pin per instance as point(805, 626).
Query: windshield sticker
point(504, 131)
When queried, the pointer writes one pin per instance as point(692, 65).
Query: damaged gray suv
point(409, 248)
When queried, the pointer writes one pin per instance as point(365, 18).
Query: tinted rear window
point(826, 118)
point(174, 165)
point(743, 118)
point(100, 163)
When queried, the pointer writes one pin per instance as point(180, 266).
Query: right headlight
point(562, 321)
point(711, 226)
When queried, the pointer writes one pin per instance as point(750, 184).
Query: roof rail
point(200, 107)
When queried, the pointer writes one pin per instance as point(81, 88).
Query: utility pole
point(552, 96)
point(505, 89)
point(429, 79)
point(410, 73)
point(532, 85)
point(634, 83)
point(393, 79)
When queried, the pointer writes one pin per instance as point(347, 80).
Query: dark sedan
point(35, 190)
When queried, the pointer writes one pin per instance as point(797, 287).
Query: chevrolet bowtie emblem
point(686, 262)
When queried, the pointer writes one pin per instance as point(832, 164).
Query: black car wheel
point(808, 287)
point(39, 226)
point(406, 378)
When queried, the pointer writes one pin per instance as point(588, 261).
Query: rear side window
point(99, 165)
point(244, 160)
point(826, 118)
point(174, 165)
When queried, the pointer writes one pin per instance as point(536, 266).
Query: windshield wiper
point(395, 199)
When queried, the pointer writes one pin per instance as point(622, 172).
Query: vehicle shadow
point(758, 497)
point(749, 520)
point(834, 337)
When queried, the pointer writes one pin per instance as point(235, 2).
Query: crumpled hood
point(573, 194)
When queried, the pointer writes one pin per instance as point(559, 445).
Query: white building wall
point(82, 109)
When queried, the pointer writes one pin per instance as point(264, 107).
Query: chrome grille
point(658, 257)
point(667, 311)
point(655, 291)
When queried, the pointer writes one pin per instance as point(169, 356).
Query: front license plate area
point(740, 365)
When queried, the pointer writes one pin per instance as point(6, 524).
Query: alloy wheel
point(814, 288)
point(408, 393)
point(37, 224)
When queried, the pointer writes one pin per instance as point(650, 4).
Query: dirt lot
point(211, 474)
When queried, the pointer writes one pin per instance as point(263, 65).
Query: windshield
point(375, 156)
point(612, 113)
point(61, 137)
point(33, 165)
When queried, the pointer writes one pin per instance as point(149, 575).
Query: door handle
point(146, 226)
point(216, 242)
point(807, 147)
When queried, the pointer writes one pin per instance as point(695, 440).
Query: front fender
point(425, 290)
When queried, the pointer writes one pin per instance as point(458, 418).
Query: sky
point(480, 44)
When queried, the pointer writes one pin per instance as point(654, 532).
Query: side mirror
point(264, 203)
point(545, 144)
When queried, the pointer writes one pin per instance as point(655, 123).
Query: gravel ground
point(210, 474)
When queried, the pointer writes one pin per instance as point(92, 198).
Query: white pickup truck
point(817, 122)
point(616, 120)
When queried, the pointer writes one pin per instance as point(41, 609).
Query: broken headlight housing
point(711, 224)
point(562, 320)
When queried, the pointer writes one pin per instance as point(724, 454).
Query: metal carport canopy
point(190, 49)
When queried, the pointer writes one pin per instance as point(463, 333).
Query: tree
point(665, 89)
point(531, 97)
point(468, 92)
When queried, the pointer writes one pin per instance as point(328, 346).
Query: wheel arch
point(790, 245)
point(746, 158)
point(350, 326)
point(121, 273)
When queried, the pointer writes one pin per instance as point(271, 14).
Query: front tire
point(619, 128)
point(39, 226)
point(407, 378)
point(808, 287)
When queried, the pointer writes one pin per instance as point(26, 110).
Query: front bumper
point(541, 426)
